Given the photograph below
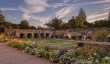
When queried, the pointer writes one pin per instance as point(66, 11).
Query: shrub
point(68, 57)
point(3, 37)
point(106, 60)
point(53, 56)
point(40, 52)
point(100, 35)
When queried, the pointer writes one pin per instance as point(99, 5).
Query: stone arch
point(52, 36)
point(21, 35)
point(66, 37)
point(47, 35)
point(56, 36)
point(79, 37)
point(42, 35)
point(61, 36)
point(81, 44)
point(89, 38)
point(29, 35)
point(108, 39)
point(73, 37)
point(36, 35)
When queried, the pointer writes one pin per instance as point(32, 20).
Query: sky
point(39, 12)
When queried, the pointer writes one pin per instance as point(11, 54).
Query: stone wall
point(78, 34)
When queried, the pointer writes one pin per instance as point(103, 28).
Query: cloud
point(10, 18)
point(56, 5)
point(42, 19)
point(97, 16)
point(34, 6)
point(8, 9)
point(96, 2)
point(75, 0)
point(26, 16)
point(107, 8)
point(66, 1)
point(64, 11)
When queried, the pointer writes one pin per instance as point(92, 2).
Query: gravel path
point(9, 55)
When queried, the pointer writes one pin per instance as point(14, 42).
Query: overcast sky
point(38, 12)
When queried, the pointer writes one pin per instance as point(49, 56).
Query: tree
point(2, 18)
point(82, 13)
point(32, 27)
point(81, 19)
point(100, 35)
point(55, 23)
point(80, 22)
point(72, 23)
point(24, 25)
point(16, 26)
point(88, 25)
point(40, 28)
point(7, 24)
point(65, 26)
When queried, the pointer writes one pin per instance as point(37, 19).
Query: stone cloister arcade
point(61, 34)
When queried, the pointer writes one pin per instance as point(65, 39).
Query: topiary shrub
point(100, 35)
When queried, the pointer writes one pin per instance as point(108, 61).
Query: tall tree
point(82, 13)
point(55, 23)
point(81, 19)
point(80, 22)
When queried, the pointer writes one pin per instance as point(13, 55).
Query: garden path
point(9, 55)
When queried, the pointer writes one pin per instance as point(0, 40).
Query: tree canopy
point(55, 23)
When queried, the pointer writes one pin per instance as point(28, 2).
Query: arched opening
point(56, 36)
point(47, 35)
point(22, 35)
point(52, 36)
point(42, 35)
point(88, 38)
point(80, 37)
point(108, 39)
point(73, 37)
point(36, 35)
point(61, 36)
point(66, 37)
point(81, 44)
point(29, 35)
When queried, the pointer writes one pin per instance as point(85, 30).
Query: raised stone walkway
point(9, 55)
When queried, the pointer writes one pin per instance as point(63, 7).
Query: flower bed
point(62, 56)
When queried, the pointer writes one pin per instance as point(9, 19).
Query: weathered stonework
point(78, 34)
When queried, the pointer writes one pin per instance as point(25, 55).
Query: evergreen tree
point(82, 13)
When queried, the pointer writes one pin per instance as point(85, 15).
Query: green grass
point(59, 45)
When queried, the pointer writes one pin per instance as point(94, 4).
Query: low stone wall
point(50, 48)
point(94, 45)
